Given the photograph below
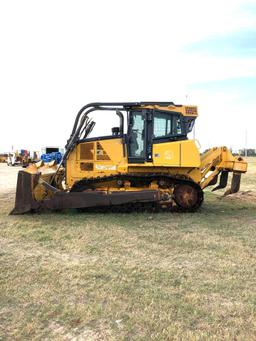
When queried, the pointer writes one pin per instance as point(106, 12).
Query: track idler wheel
point(187, 196)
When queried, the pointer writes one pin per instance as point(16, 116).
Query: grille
point(86, 166)
point(191, 110)
point(101, 153)
point(86, 151)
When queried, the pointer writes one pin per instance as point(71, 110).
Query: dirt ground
point(87, 276)
point(8, 177)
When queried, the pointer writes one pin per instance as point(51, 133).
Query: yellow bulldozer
point(147, 160)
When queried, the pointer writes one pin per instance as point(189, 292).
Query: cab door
point(137, 136)
point(168, 132)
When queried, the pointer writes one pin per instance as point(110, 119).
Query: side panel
point(166, 154)
point(95, 158)
point(176, 154)
point(190, 156)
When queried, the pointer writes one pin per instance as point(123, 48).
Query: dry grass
point(70, 276)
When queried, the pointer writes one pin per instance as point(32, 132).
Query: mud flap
point(24, 200)
point(223, 181)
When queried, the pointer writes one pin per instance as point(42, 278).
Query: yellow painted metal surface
point(96, 158)
point(167, 154)
point(106, 157)
point(185, 110)
point(190, 156)
point(218, 159)
point(109, 157)
point(176, 154)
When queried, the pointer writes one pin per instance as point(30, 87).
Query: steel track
point(138, 180)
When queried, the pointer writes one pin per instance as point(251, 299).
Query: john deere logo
point(168, 155)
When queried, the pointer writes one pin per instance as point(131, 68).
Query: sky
point(56, 56)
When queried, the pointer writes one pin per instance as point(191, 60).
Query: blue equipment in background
point(56, 156)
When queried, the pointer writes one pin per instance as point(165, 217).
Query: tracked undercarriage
point(171, 191)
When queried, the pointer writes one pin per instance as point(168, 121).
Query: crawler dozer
point(146, 160)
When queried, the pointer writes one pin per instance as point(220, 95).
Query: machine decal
point(105, 167)
point(168, 155)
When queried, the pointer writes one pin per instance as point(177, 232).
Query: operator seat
point(115, 131)
point(134, 146)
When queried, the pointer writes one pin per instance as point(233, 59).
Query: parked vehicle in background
point(3, 157)
point(22, 158)
point(13, 159)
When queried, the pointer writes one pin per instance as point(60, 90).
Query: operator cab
point(138, 125)
point(147, 127)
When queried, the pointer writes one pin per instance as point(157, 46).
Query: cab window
point(166, 125)
point(137, 134)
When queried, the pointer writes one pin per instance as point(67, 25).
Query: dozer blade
point(24, 200)
point(62, 200)
point(223, 181)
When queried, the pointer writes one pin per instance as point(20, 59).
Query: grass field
point(140, 276)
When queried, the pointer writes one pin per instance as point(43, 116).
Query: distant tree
point(205, 151)
point(250, 152)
